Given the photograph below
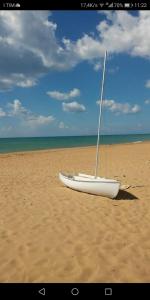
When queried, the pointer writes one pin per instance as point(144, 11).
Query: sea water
point(40, 143)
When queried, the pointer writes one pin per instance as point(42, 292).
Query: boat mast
point(100, 115)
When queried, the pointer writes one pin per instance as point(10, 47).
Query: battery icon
point(127, 5)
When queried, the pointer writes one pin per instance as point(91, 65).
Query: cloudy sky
point(51, 69)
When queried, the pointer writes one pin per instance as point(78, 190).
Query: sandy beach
point(50, 233)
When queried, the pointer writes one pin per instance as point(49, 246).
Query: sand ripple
point(49, 233)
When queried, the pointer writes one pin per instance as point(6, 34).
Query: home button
point(74, 291)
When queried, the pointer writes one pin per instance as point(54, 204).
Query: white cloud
point(120, 32)
point(16, 79)
point(74, 93)
point(2, 113)
point(29, 47)
point(120, 26)
point(134, 109)
point(62, 125)
point(26, 82)
point(64, 96)
point(88, 48)
point(73, 107)
point(147, 101)
point(147, 84)
point(97, 66)
point(35, 121)
point(16, 109)
point(117, 107)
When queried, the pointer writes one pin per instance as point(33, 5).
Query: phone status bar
point(78, 4)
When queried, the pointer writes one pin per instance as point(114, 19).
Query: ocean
point(40, 143)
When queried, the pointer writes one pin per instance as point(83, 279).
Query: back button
point(42, 292)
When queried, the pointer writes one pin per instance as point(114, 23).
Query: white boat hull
point(89, 184)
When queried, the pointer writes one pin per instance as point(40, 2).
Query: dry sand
point(49, 233)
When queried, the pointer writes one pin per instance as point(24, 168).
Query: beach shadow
point(124, 195)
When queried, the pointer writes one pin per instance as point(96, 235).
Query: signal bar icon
point(111, 5)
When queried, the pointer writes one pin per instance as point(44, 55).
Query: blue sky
point(51, 69)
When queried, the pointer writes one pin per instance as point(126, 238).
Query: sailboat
point(93, 184)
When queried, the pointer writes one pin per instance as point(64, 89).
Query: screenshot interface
point(74, 148)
